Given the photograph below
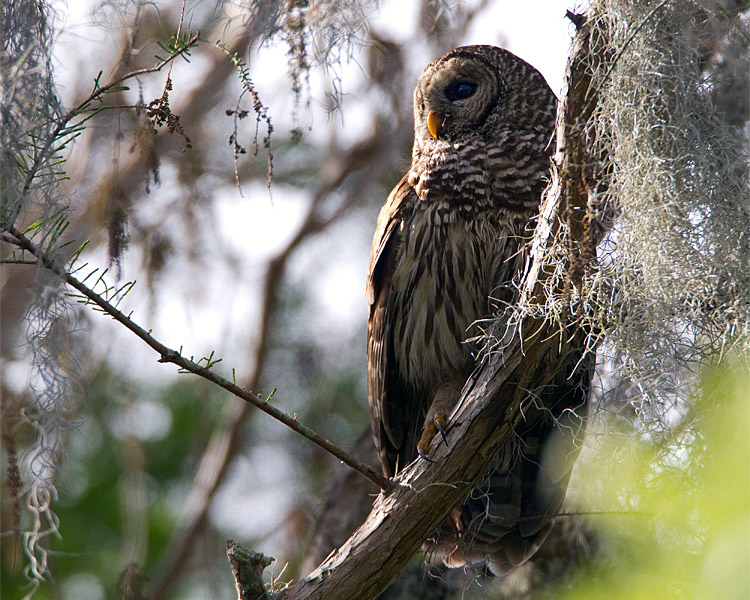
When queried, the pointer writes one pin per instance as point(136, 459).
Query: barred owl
point(449, 242)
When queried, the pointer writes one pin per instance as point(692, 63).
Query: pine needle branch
point(169, 355)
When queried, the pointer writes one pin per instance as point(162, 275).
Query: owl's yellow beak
point(435, 123)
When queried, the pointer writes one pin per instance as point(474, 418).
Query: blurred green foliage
point(123, 483)
point(673, 511)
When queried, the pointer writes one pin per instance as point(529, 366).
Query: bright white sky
point(536, 30)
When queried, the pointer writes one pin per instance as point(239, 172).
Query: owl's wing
point(393, 414)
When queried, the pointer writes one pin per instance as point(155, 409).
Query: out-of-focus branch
point(347, 502)
point(220, 450)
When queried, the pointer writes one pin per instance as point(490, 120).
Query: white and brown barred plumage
point(449, 241)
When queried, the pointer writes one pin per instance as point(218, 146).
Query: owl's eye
point(460, 90)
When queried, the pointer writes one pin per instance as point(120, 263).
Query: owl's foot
point(436, 421)
point(431, 429)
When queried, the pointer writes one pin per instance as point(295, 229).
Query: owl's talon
point(431, 429)
point(440, 424)
point(423, 455)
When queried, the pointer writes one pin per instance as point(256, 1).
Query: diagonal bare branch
point(220, 450)
point(169, 355)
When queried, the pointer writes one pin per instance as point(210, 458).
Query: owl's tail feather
point(509, 515)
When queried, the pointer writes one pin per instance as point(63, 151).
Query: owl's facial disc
point(454, 96)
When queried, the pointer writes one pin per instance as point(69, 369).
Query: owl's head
point(481, 90)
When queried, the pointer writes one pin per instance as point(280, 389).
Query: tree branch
point(169, 355)
point(426, 492)
point(47, 149)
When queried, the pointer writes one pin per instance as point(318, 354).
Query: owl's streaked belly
point(444, 276)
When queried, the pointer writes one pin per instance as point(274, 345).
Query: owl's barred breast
point(461, 248)
point(494, 179)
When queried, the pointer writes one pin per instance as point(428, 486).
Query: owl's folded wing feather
point(390, 408)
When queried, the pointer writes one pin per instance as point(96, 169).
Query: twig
point(72, 113)
point(168, 355)
point(247, 568)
